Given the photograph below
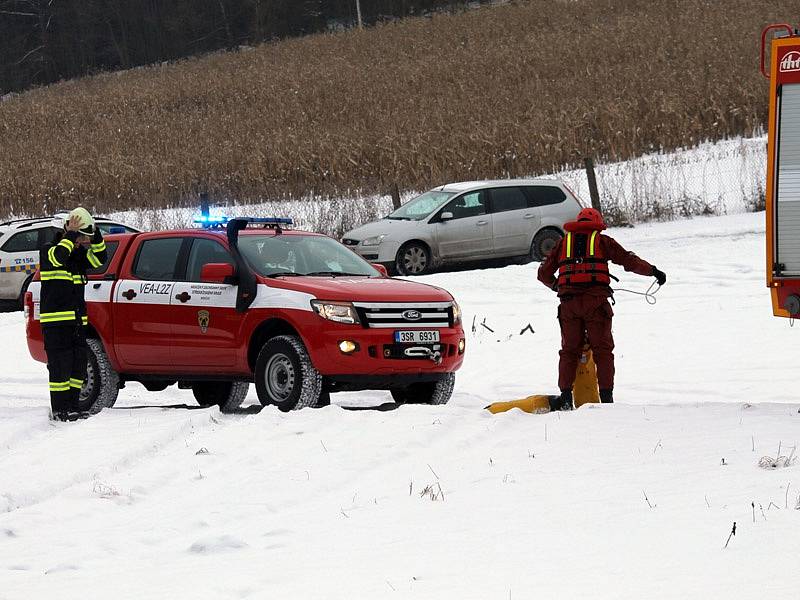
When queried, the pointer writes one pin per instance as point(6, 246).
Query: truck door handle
point(529, 216)
point(482, 223)
point(129, 294)
point(183, 297)
point(96, 286)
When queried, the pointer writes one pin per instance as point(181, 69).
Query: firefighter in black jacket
point(62, 268)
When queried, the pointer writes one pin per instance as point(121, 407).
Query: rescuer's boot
point(565, 400)
point(607, 396)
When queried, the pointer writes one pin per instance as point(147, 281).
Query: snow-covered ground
point(154, 499)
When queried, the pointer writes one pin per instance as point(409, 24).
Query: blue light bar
point(209, 221)
point(270, 220)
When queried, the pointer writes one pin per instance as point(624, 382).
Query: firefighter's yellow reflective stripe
point(68, 244)
point(75, 383)
point(50, 275)
point(85, 320)
point(59, 386)
point(78, 279)
point(93, 260)
point(51, 254)
point(591, 243)
point(67, 315)
point(569, 245)
point(99, 247)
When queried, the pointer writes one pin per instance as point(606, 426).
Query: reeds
point(511, 90)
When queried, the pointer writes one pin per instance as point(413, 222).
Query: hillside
point(510, 90)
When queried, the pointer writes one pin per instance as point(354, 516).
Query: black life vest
point(582, 264)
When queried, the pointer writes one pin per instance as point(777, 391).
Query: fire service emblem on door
point(202, 319)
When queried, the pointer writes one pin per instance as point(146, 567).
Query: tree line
point(43, 41)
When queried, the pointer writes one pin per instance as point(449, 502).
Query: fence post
point(395, 191)
point(204, 203)
point(593, 193)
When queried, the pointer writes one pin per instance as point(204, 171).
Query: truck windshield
point(302, 255)
point(421, 206)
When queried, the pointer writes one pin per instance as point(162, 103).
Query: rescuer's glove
point(660, 276)
point(554, 287)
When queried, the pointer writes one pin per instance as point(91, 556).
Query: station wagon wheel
point(285, 376)
point(544, 242)
point(413, 258)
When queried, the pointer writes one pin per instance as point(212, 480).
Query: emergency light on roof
point(209, 221)
point(213, 222)
point(269, 220)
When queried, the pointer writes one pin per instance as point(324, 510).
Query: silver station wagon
point(468, 221)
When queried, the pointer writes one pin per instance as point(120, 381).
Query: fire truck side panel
point(783, 175)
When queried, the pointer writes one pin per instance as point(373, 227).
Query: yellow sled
point(583, 391)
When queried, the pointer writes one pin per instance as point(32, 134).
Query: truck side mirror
point(446, 216)
point(217, 273)
point(380, 268)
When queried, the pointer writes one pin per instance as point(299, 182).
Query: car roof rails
point(26, 222)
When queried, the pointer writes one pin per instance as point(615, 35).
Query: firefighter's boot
point(607, 396)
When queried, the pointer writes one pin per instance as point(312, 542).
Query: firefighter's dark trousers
point(586, 316)
point(66, 362)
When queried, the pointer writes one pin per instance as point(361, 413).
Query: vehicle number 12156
point(422, 336)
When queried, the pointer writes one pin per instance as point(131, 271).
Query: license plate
point(417, 336)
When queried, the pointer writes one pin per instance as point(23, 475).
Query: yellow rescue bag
point(531, 404)
point(584, 390)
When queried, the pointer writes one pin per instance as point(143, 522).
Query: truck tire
point(101, 387)
point(438, 392)
point(228, 395)
point(543, 243)
point(285, 375)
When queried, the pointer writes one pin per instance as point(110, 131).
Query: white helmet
point(86, 220)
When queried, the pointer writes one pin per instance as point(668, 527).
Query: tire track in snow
point(68, 444)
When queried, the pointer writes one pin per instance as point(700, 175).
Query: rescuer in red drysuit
point(584, 286)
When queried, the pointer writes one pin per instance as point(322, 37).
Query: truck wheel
point(544, 242)
point(413, 258)
point(285, 376)
point(438, 392)
point(228, 395)
point(101, 387)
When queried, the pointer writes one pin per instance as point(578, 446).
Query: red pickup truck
point(302, 316)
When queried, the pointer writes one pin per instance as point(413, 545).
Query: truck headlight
point(341, 312)
point(373, 241)
point(456, 313)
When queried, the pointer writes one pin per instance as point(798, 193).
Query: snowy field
point(158, 499)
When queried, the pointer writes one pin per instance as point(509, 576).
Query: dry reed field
point(519, 89)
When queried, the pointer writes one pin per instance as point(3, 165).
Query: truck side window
point(157, 259)
point(111, 248)
point(203, 252)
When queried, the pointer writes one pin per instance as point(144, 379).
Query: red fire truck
point(783, 167)
point(215, 308)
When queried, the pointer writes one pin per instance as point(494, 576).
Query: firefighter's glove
point(660, 276)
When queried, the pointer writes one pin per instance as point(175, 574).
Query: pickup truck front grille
point(398, 315)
